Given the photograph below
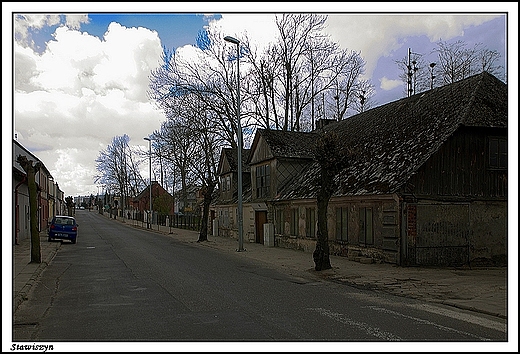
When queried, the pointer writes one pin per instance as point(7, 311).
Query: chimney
point(320, 123)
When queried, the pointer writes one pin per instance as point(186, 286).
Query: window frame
point(497, 153)
point(293, 229)
point(262, 181)
point(310, 222)
point(366, 226)
point(342, 224)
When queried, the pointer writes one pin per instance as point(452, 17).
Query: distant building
point(50, 198)
point(162, 201)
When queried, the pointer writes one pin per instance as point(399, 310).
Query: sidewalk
point(25, 273)
point(482, 290)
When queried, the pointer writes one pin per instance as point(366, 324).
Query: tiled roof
point(393, 140)
point(246, 196)
point(288, 144)
point(231, 156)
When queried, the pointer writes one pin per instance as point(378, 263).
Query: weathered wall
point(488, 235)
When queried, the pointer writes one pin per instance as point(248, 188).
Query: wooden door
point(260, 220)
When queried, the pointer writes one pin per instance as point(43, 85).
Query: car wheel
point(49, 239)
point(73, 241)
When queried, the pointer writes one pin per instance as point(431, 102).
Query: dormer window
point(225, 183)
point(263, 181)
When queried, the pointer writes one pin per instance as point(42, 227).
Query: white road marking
point(430, 323)
point(499, 326)
point(373, 331)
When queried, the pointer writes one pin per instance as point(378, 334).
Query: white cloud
point(72, 99)
point(374, 35)
point(387, 84)
point(260, 28)
point(377, 35)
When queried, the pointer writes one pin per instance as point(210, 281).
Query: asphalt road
point(120, 284)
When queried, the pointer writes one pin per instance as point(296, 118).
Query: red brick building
point(162, 201)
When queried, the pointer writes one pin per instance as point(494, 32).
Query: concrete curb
point(22, 295)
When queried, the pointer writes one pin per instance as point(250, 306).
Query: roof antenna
point(412, 71)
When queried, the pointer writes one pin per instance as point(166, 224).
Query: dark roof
point(287, 144)
point(231, 156)
point(146, 191)
point(393, 140)
point(246, 196)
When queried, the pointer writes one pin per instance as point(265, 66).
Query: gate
point(441, 235)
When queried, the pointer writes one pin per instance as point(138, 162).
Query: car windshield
point(64, 221)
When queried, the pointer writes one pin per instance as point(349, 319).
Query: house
point(276, 158)
point(224, 207)
point(50, 198)
point(189, 200)
point(162, 201)
point(427, 184)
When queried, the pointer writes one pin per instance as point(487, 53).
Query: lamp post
point(149, 223)
point(239, 153)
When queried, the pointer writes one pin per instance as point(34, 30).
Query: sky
point(80, 80)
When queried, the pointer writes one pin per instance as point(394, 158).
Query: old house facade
point(50, 198)
point(426, 183)
point(224, 208)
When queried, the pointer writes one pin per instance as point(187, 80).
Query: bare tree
point(261, 87)
point(300, 67)
point(209, 146)
point(347, 84)
point(457, 61)
point(208, 74)
point(118, 167)
point(31, 170)
point(487, 60)
point(332, 157)
point(295, 31)
point(176, 138)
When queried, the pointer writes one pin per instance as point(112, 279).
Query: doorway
point(260, 220)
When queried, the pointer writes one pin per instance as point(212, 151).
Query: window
point(279, 229)
point(310, 222)
point(225, 218)
point(294, 222)
point(498, 153)
point(263, 180)
point(366, 229)
point(342, 224)
point(228, 183)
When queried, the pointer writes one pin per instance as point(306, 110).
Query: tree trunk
point(321, 253)
point(30, 170)
point(208, 193)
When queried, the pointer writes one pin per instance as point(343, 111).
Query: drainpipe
point(17, 210)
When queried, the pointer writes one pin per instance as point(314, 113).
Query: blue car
point(63, 228)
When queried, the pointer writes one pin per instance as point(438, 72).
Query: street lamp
point(149, 223)
point(239, 153)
